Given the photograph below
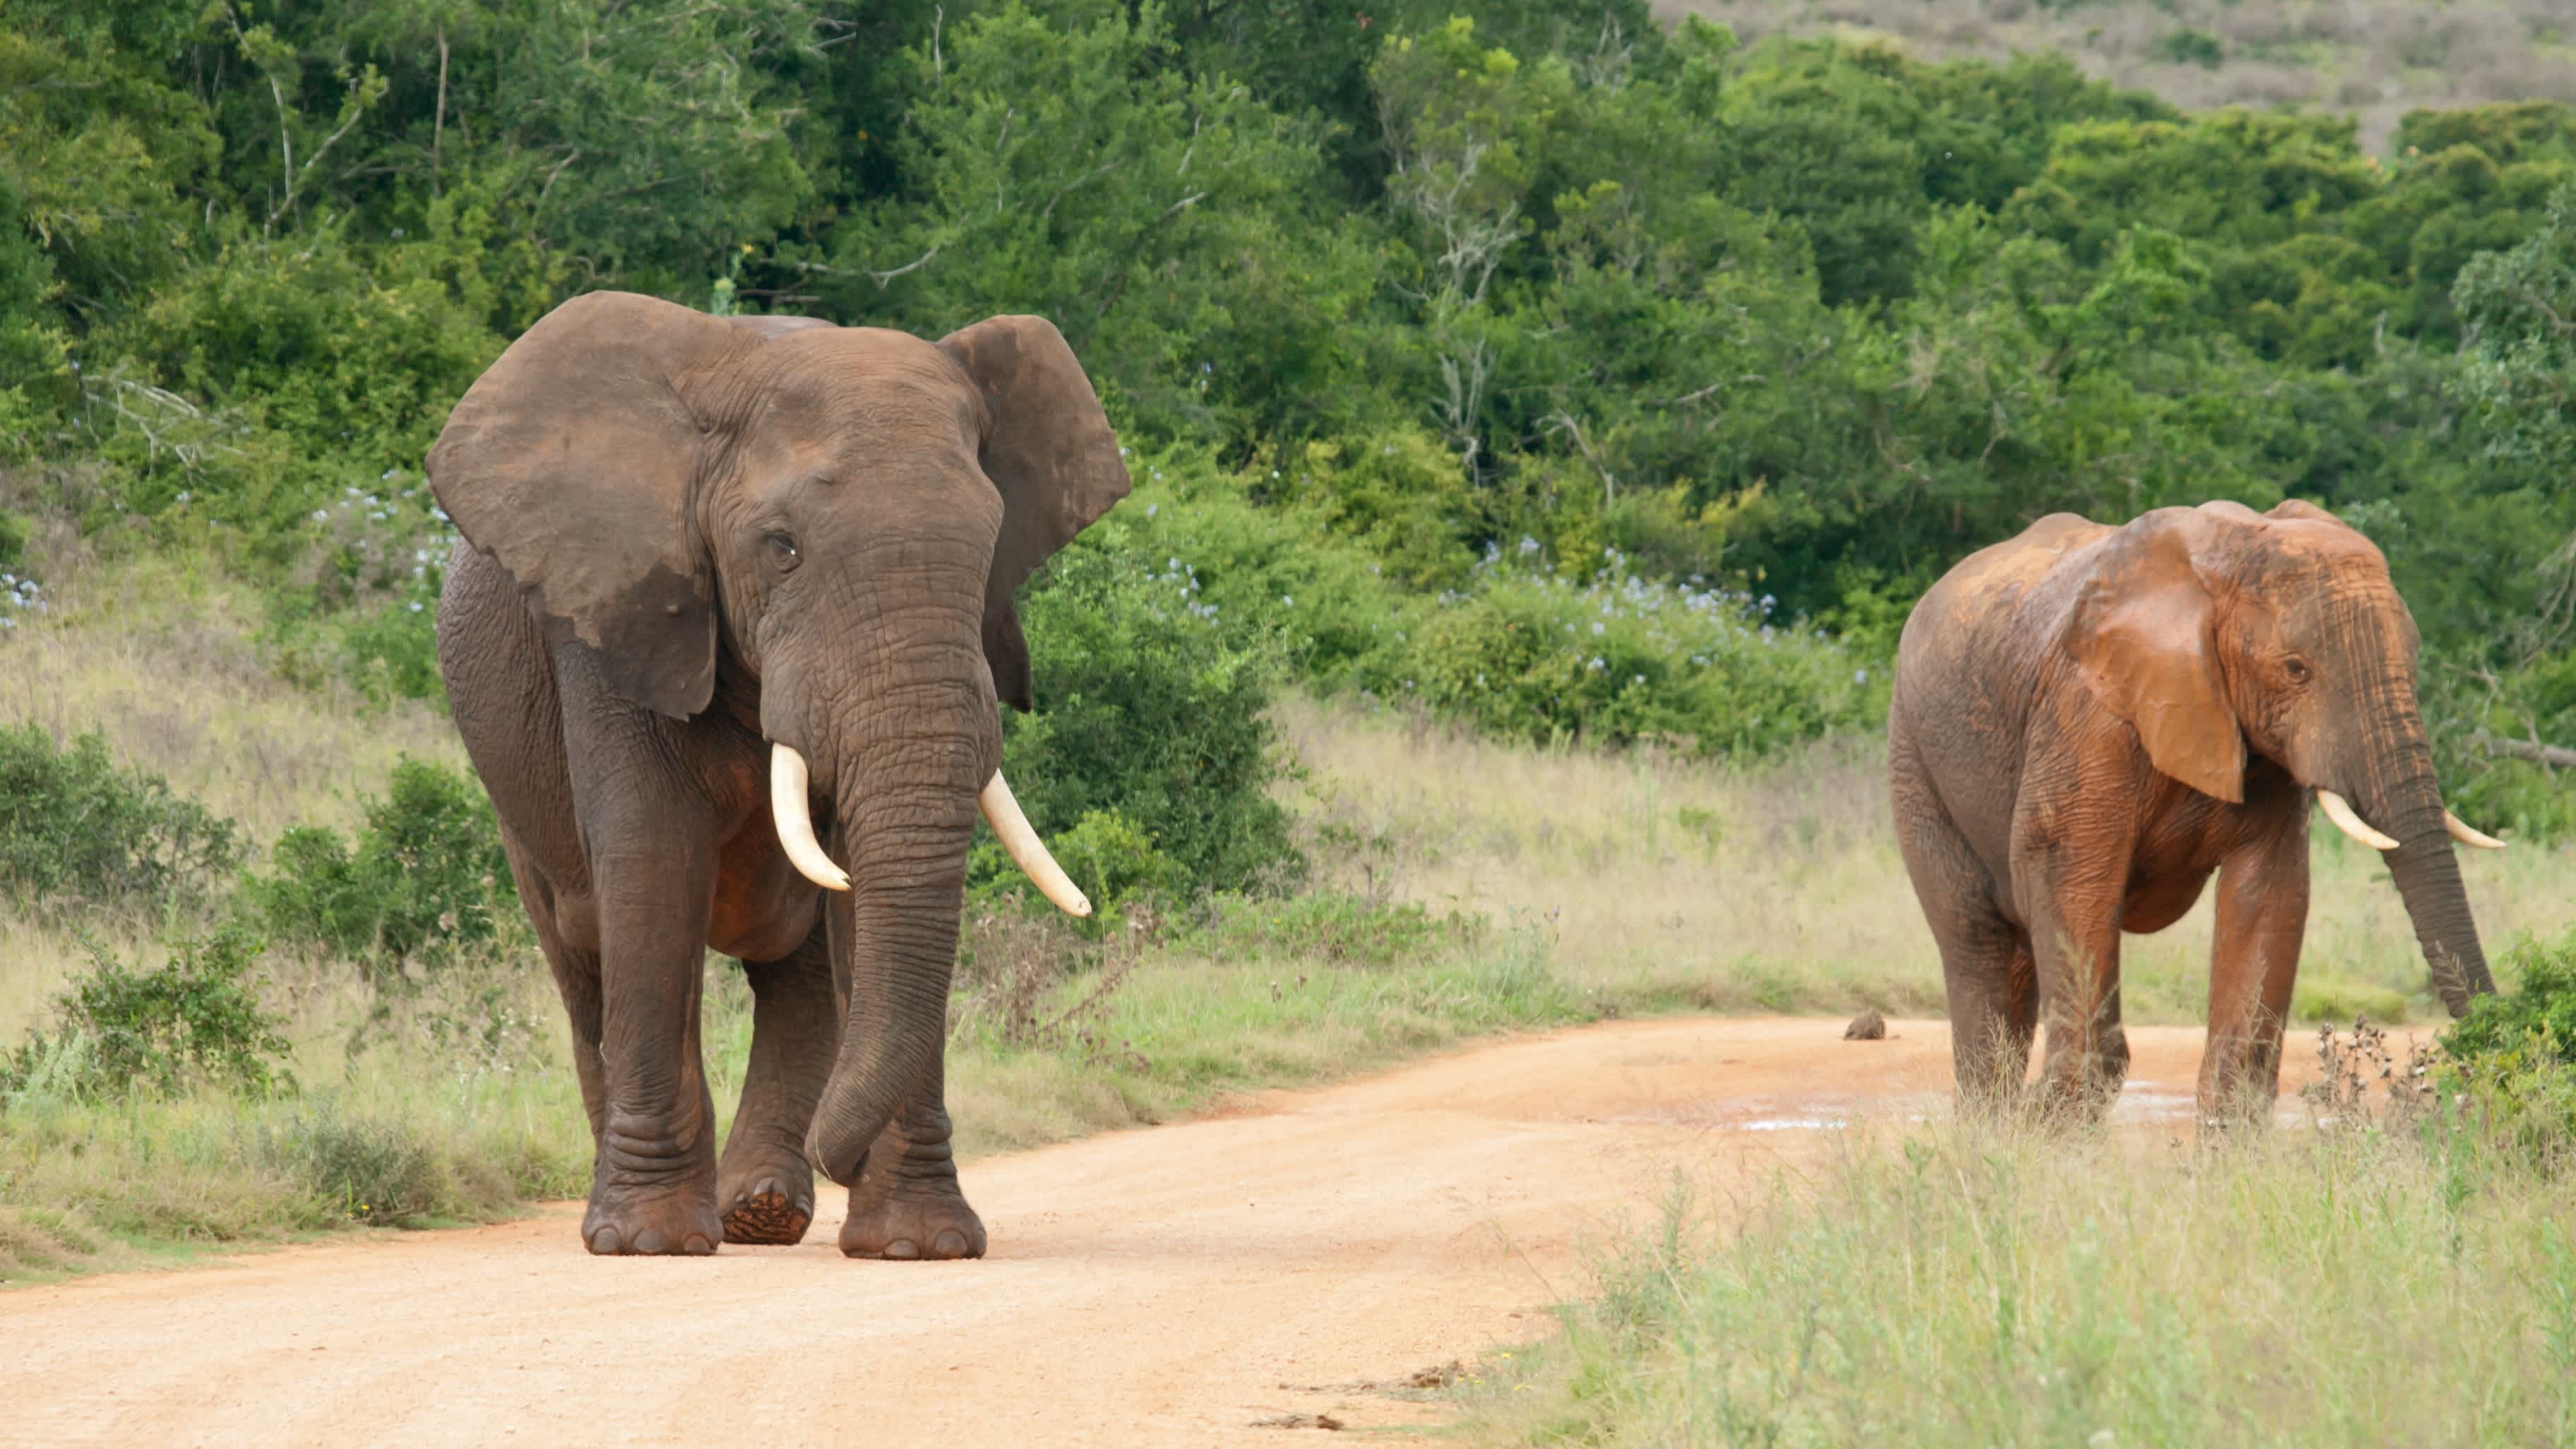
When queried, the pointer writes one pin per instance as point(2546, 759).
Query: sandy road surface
point(1157, 1287)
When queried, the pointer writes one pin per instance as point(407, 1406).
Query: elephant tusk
point(787, 780)
point(2346, 819)
point(2468, 834)
point(1021, 839)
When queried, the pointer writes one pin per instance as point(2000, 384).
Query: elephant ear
point(570, 462)
point(1048, 449)
point(2144, 636)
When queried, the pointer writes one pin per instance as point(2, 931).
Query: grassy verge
point(1948, 1288)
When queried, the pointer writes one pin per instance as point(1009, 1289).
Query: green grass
point(1940, 1287)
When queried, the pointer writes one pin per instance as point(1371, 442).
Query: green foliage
point(424, 880)
point(1618, 660)
point(2522, 365)
point(377, 1171)
point(1329, 926)
point(2511, 1062)
point(1169, 223)
point(75, 827)
point(1805, 319)
point(2190, 45)
point(1399, 494)
point(1150, 720)
point(195, 1018)
point(1110, 857)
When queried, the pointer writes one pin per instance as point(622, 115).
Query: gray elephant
point(725, 639)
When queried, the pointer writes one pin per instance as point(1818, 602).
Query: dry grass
point(2375, 58)
point(1940, 1286)
point(163, 656)
point(1779, 886)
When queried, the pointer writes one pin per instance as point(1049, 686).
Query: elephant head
point(831, 521)
point(2215, 630)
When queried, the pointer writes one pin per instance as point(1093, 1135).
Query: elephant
point(2088, 721)
point(727, 633)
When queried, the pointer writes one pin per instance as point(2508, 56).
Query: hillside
point(2373, 59)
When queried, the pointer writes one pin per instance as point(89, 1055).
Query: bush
point(72, 823)
point(2512, 1060)
point(1335, 927)
point(1149, 712)
point(425, 878)
point(195, 1018)
point(366, 1171)
point(1618, 660)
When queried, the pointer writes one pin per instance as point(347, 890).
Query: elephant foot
point(662, 1224)
point(911, 1220)
point(774, 1207)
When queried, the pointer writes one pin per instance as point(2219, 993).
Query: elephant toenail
point(902, 1248)
point(805, 1205)
point(697, 1246)
point(768, 1188)
point(651, 1240)
point(951, 1244)
point(604, 1242)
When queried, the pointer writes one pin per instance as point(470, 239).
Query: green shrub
point(1322, 604)
point(196, 1017)
point(1331, 926)
point(1148, 711)
point(1616, 660)
point(376, 1171)
point(2511, 1062)
point(2189, 45)
point(74, 825)
point(425, 878)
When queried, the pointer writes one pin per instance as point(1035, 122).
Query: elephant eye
point(2296, 668)
point(784, 548)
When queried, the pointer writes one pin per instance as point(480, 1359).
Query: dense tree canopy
point(1477, 302)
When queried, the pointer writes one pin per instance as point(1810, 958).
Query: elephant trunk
point(894, 942)
point(2403, 799)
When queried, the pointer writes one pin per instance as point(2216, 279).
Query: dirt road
point(1166, 1286)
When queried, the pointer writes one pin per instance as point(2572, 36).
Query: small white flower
point(1152, 508)
point(415, 606)
point(1289, 602)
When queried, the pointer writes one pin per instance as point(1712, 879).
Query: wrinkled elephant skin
point(709, 564)
point(2091, 721)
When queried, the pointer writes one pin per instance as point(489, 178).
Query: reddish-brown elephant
point(2089, 721)
point(725, 639)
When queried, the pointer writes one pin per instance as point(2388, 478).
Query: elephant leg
point(2075, 943)
point(2254, 963)
point(648, 834)
point(1993, 992)
point(576, 974)
point(906, 1203)
point(1986, 967)
point(2073, 886)
point(764, 1181)
point(655, 1187)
